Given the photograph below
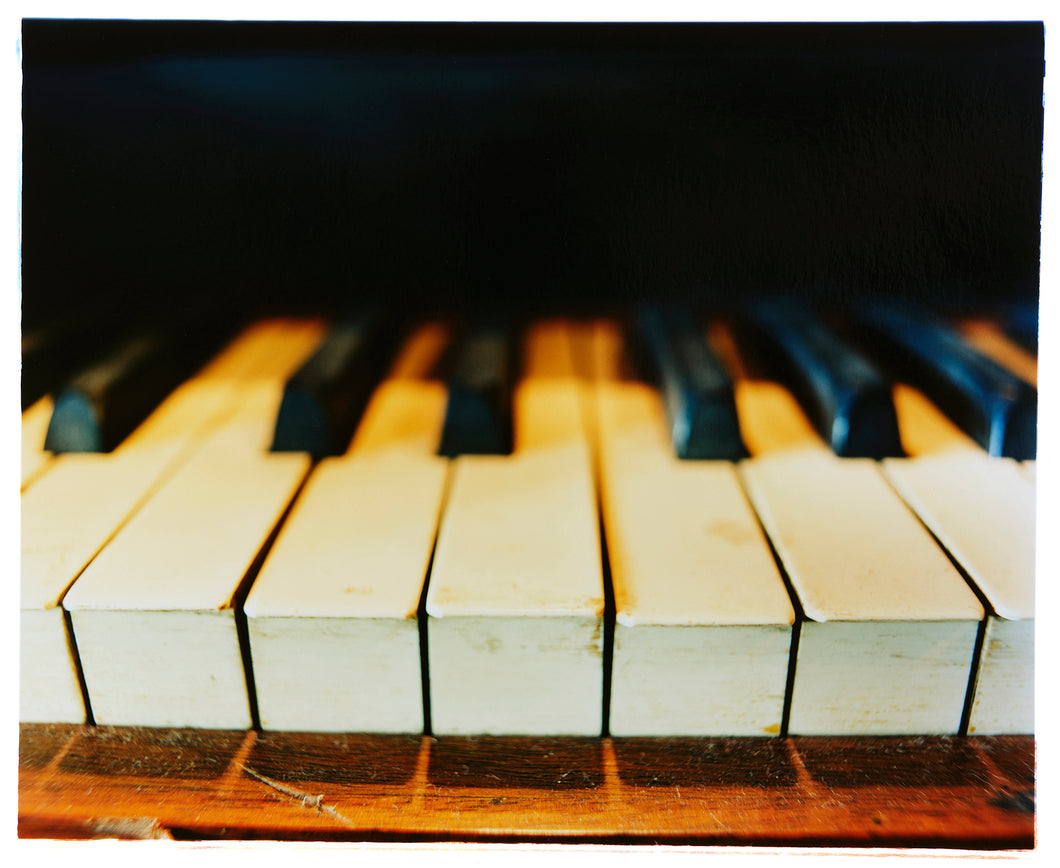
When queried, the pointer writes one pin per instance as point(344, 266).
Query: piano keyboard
point(589, 581)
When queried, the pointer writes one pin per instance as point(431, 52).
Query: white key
point(184, 527)
point(890, 633)
point(66, 518)
point(73, 511)
point(703, 621)
point(515, 603)
point(35, 421)
point(982, 510)
point(153, 614)
point(332, 616)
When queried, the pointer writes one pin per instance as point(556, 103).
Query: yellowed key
point(703, 621)
point(71, 514)
point(332, 616)
point(982, 509)
point(35, 459)
point(515, 603)
point(889, 635)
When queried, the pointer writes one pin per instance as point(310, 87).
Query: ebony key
point(697, 392)
point(846, 398)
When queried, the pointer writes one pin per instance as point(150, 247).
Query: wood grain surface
point(115, 782)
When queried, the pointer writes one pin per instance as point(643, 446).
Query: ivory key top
point(982, 510)
point(703, 621)
point(35, 458)
point(79, 506)
point(154, 614)
point(515, 602)
point(888, 643)
point(888, 632)
point(332, 616)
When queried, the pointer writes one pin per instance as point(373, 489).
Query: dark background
point(453, 166)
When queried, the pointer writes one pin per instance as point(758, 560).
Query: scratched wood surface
point(84, 782)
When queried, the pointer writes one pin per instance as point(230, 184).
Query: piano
point(530, 433)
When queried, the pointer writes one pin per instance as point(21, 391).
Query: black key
point(993, 406)
point(52, 353)
point(478, 419)
point(846, 398)
point(697, 391)
point(1020, 321)
point(323, 400)
point(102, 404)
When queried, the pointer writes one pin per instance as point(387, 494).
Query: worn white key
point(515, 603)
point(889, 635)
point(153, 614)
point(982, 510)
point(891, 632)
point(34, 427)
point(66, 518)
point(74, 510)
point(332, 616)
point(82, 504)
point(703, 621)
